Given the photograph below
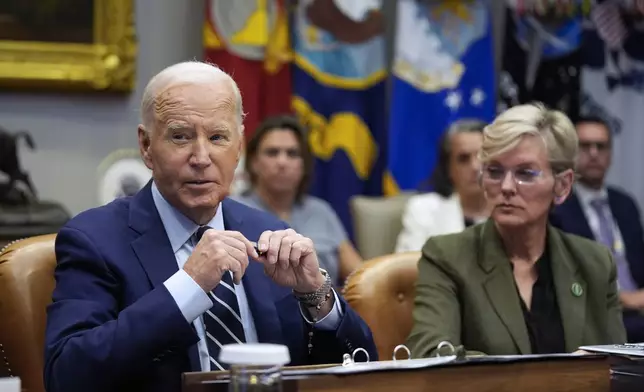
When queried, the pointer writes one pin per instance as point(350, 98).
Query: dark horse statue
point(22, 214)
point(10, 193)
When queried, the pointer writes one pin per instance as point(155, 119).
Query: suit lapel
point(623, 222)
point(152, 247)
point(616, 211)
point(574, 218)
point(500, 287)
point(568, 282)
point(628, 227)
point(256, 284)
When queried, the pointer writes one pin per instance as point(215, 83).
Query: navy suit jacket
point(113, 326)
point(570, 217)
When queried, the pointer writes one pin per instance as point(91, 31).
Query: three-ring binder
point(350, 359)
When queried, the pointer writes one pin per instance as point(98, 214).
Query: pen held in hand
point(259, 252)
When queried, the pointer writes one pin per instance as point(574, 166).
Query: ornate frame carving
point(108, 64)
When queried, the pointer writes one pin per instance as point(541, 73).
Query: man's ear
point(144, 146)
point(242, 141)
point(563, 186)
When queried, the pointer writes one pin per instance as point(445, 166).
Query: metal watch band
point(314, 298)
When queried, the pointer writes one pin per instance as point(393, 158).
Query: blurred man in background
point(608, 215)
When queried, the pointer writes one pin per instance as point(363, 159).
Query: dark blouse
point(543, 320)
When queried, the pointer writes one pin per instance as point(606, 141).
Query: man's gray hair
point(188, 72)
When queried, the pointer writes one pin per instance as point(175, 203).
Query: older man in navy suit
point(151, 286)
point(610, 216)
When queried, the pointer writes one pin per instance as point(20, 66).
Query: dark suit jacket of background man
point(113, 326)
point(570, 217)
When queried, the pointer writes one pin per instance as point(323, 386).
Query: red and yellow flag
point(249, 39)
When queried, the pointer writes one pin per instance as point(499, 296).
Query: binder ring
point(445, 344)
point(401, 346)
point(359, 349)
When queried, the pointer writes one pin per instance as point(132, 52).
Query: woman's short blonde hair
point(552, 126)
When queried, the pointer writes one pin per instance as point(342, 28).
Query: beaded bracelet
point(315, 318)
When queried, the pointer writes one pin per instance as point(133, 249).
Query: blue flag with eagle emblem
point(443, 71)
point(339, 94)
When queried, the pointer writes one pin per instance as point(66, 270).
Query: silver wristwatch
point(316, 297)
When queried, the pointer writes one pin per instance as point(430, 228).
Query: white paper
point(526, 357)
point(364, 367)
point(630, 349)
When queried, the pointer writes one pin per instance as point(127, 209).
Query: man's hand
point(290, 260)
point(216, 253)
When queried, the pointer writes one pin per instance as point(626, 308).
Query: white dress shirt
point(190, 297)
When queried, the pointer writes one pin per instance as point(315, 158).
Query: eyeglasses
point(494, 174)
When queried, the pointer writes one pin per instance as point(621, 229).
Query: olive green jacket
point(466, 294)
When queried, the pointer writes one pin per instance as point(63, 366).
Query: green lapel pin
point(576, 289)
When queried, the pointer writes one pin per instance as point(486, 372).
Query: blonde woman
point(515, 284)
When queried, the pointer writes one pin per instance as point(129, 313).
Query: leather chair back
point(377, 221)
point(382, 292)
point(26, 286)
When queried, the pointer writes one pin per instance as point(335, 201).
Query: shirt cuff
point(331, 321)
point(189, 296)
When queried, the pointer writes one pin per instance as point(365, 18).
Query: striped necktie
point(223, 321)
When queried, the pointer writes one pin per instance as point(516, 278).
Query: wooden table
point(581, 374)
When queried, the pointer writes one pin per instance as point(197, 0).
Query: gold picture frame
point(107, 63)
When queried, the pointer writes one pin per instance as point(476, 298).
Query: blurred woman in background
point(457, 199)
point(279, 166)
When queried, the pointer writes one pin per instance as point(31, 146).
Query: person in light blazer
point(457, 200)
point(514, 284)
